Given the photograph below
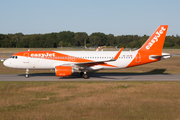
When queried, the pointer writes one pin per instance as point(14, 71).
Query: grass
point(90, 100)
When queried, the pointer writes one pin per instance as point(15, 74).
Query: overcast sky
point(118, 17)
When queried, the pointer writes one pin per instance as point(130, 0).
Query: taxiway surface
point(93, 77)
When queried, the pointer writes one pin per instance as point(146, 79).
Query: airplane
point(98, 48)
point(66, 63)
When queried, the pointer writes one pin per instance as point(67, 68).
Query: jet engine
point(63, 71)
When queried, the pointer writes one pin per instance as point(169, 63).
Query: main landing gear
point(27, 73)
point(84, 75)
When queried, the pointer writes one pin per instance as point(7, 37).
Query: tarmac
point(93, 77)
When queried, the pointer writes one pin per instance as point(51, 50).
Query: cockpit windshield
point(14, 57)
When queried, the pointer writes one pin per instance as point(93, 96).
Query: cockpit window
point(14, 57)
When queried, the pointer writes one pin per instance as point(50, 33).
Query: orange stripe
point(51, 55)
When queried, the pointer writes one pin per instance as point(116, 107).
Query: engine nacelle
point(62, 71)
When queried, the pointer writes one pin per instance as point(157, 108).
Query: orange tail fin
point(155, 43)
point(151, 51)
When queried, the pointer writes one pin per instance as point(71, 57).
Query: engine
point(62, 71)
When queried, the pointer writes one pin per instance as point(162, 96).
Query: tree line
point(71, 39)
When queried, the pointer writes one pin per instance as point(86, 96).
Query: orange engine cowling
point(63, 71)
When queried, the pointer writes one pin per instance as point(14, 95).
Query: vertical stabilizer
point(155, 43)
point(151, 51)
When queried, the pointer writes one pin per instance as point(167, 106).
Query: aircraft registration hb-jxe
point(67, 62)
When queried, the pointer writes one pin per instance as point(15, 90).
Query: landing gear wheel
point(85, 76)
point(26, 75)
point(81, 74)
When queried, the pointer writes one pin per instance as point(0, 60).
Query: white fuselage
point(42, 62)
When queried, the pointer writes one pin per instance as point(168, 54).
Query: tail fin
point(155, 43)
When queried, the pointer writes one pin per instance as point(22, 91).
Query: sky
point(118, 17)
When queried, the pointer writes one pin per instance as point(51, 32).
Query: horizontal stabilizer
point(163, 56)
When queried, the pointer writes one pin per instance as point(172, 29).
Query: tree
point(66, 37)
point(61, 44)
point(88, 45)
point(69, 45)
point(98, 39)
point(79, 38)
point(94, 40)
point(110, 39)
point(69, 39)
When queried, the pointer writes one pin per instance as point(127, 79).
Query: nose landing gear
point(27, 73)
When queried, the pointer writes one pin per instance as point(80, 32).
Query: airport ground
point(137, 100)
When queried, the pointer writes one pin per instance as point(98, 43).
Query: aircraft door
point(26, 58)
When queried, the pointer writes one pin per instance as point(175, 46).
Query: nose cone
point(6, 63)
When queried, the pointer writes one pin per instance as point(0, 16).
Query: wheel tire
point(81, 74)
point(85, 76)
point(26, 76)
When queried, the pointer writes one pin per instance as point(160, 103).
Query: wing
point(83, 65)
point(114, 59)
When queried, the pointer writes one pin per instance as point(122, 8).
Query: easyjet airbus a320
point(67, 62)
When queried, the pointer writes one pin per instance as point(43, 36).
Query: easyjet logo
point(42, 55)
point(155, 39)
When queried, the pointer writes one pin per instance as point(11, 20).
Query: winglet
point(118, 54)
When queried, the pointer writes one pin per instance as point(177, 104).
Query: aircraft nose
point(6, 63)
